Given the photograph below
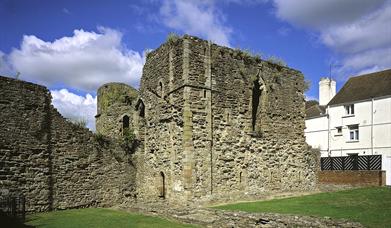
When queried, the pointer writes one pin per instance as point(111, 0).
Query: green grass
point(369, 206)
point(97, 218)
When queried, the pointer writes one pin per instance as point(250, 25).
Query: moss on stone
point(114, 93)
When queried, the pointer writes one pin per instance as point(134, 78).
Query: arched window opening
point(240, 177)
point(162, 187)
point(255, 102)
point(125, 122)
point(140, 107)
point(142, 110)
point(204, 93)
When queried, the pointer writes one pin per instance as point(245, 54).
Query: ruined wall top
point(176, 41)
point(114, 93)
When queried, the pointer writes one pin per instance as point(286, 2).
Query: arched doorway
point(162, 186)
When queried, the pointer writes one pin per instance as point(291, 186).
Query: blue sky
point(72, 46)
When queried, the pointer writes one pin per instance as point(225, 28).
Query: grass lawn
point(97, 217)
point(369, 206)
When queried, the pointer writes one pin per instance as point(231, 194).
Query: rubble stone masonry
point(216, 122)
point(54, 163)
point(210, 123)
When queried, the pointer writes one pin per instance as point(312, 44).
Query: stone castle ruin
point(207, 123)
point(211, 122)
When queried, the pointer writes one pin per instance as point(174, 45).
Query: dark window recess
point(162, 186)
point(125, 122)
point(128, 101)
point(161, 88)
point(339, 130)
point(255, 102)
point(141, 109)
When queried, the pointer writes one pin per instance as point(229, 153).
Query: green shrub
point(277, 60)
point(172, 38)
point(128, 139)
point(79, 122)
point(101, 139)
point(247, 53)
point(148, 52)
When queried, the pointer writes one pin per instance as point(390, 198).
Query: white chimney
point(327, 90)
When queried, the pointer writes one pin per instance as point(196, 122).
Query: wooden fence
point(365, 162)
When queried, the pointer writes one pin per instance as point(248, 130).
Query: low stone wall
point(352, 177)
point(54, 163)
point(208, 217)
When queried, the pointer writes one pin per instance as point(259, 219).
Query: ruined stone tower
point(114, 108)
point(213, 122)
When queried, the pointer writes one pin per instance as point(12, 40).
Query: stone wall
point(219, 122)
point(210, 122)
point(353, 177)
point(53, 162)
point(162, 156)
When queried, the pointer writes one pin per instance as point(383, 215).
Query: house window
point(339, 130)
point(353, 133)
point(349, 109)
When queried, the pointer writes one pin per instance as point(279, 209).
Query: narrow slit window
point(162, 186)
point(255, 102)
point(161, 89)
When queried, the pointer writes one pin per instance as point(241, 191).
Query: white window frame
point(354, 133)
point(349, 110)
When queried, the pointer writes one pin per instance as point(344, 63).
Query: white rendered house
point(356, 121)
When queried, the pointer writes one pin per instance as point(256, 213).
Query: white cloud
point(199, 18)
point(83, 61)
point(245, 2)
point(283, 31)
point(369, 32)
point(5, 68)
point(321, 13)
point(358, 31)
point(66, 11)
point(310, 98)
point(365, 62)
point(75, 107)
